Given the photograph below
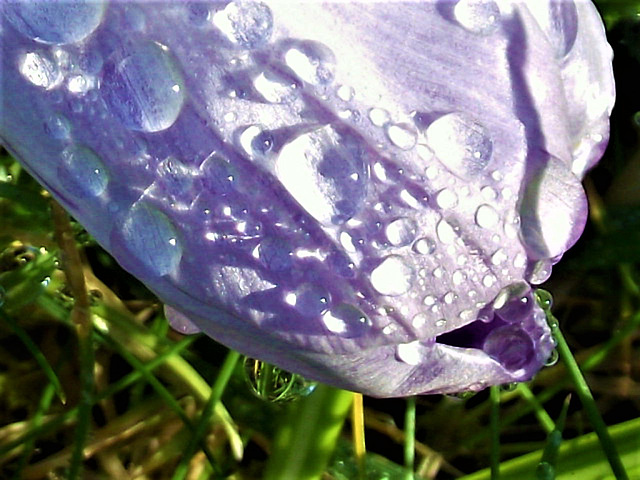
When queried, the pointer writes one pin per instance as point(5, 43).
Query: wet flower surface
point(366, 202)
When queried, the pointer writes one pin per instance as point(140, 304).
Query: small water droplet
point(488, 280)
point(514, 303)
point(487, 217)
point(40, 69)
point(80, 83)
point(245, 23)
point(445, 232)
point(424, 246)
point(419, 320)
point(449, 298)
point(462, 145)
point(392, 276)
point(540, 272)
point(55, 22)
point(274, 88)
point(441, 323)
point(402, 135)
point(378, 116)
point(544, 299)
point(144, 87)
point(151, 237)
point(82, 173)
point(429, 300)
point(478, 16)
point(554, 356)
point(58, 126)
point(458, 277)
point(219, 175)
point(347, 321)
point(499, 257)
point(446, 198)
point(401, 231)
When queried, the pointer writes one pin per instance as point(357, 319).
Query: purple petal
point(364, 202)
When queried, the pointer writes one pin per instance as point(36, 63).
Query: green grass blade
point(410, 436)
point(494, 424)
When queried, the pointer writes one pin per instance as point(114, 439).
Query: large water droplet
point(478, 16)
point(151, 237)
point(273, 384)
point(514, 303)
point(446, 198)
point(553, 211)
point(245, 23)
point(393, 276)
point(40, 69)
point(144, 88)
point(309, 299)
point(346, 321)
point(326, 173)
point(401, 231)
point(273, 88)
point(82, 173)
point(378, 116)
point(55, 21)
point(219, 175)
point(461, 144)
point(510, 346)
point(312, 62)
point(445, 232)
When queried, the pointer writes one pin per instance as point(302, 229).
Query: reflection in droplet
point(478, 16)
point(461, 144)
point(393, 276)
point(401, 231)
point(510, 346)
point(312, 62)
point(82, 173)
point(245, 23)
point(145, 88)
point(151, 237)
point(55, 21)
point(40, 69)
point(309, 299)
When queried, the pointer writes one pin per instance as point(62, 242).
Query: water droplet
point(80, 83)
point(499, 257)
point(424, 246)
point(544, 299)
point(401, 231)
point(82, 173)
point(40, 69)
point(510, 346)
point(219, 175)
point(274, 88)
point(180, 322)
point(487, 217)
point(458, 277)
point(488, 193)
point(151, 237)
point(461, 144)
point(276, 254)
point(175, 178)
point(378, 116)
point(392, 277)
point(540, 272)
point(309, 299)
point(429, 300)
point(420, 320)
point(55, 21)
point(346, 321)
point(445, 232)
point(449, 298)
point(245, 23)
point(402, 135)
point(441, 323)
point(144, 88)
point(446, 198)
point(345, 93)
point(273, 384)
point(326, 173)
point(58, 126)
point(478, 16)
point(410, 353)
point(198, 13)
point(514, 303)
point(312, 62)
point(554, 356)
point(553, 211)
point(488, 280)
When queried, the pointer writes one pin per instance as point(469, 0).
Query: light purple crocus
point(359, 192)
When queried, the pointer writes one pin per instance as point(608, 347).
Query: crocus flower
point(359, 192)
